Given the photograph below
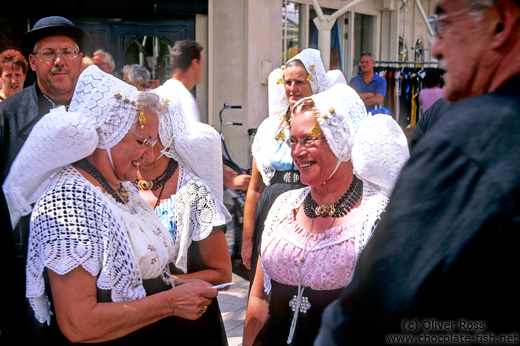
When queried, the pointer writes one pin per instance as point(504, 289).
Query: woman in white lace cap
point(273, 169)
point(313, 235)
point(98, 261)
point(186, 194)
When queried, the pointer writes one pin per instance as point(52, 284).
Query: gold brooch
point(280, 136)
point(324, 210)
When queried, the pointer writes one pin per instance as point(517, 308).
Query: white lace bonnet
point(318, 78)
point(102, 111)
point(376, 145)
point(194, 144)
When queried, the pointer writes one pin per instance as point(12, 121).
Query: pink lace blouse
point(329, 257)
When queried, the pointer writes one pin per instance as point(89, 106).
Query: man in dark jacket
point(442, 265)
point(54, 49)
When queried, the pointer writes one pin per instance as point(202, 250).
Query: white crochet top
point(278, 224)
point(75, 224)
point(195, 210)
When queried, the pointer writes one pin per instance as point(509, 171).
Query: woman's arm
point(255, 189)
point(215, 254)
point(82, 318)
point(257, 308)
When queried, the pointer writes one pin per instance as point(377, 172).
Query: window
point(335, 39)
point(292, 16)
point(152, 53)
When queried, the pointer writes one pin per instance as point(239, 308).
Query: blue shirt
point(281, 159)
point(377, 86)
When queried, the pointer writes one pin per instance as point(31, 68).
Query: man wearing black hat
point(54, 48)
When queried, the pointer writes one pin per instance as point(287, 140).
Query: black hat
point(51, 26)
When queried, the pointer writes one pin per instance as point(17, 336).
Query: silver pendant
point(305, 305)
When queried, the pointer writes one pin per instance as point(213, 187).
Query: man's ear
point(194, 63)
point(507, 22)
point(32, 62)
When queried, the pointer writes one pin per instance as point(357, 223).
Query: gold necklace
point(158, 182)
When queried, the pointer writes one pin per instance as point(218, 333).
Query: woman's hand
point(189, 299)
point(82, 318)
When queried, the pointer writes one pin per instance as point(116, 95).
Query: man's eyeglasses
point(306, 142)
point(50, 54)
point(438, 23)
point(146, 141)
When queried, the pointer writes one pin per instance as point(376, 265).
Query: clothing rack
point(404, 81)
point(394, 62)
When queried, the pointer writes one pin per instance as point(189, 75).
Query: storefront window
point(152, 53)
point(291, 21)
point(364, 38)
point(403, 49)
point(335, 39)
point(294, 40)
point(419, 50)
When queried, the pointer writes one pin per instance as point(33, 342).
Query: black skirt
point(276, 330)
point(206, 331)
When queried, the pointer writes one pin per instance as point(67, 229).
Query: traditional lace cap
point(380, 151)
point(97, 117)
point(376, 145)
point(317, 77)
point(111, 102)
point(195, 145)
point(58, 139)
point(339, 112)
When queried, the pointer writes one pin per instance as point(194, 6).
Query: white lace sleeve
point(71, 226)
point(197, 212)
point(373, 205)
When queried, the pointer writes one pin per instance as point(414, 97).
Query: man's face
point(459, 52)
point(12, 80)
point(56, 77)
point(100, 62)
point(367, 64)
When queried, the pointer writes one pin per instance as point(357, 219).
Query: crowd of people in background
point(113, 219)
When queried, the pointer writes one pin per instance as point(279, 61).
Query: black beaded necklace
point(158, 182)
point(340, 208)
point(120, 196)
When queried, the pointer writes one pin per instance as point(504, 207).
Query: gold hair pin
point(316, 131)
point(142, 117)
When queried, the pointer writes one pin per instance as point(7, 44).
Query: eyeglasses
point(306, 142)
point(438, 23)
point(146, 141)
point(50, 54)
